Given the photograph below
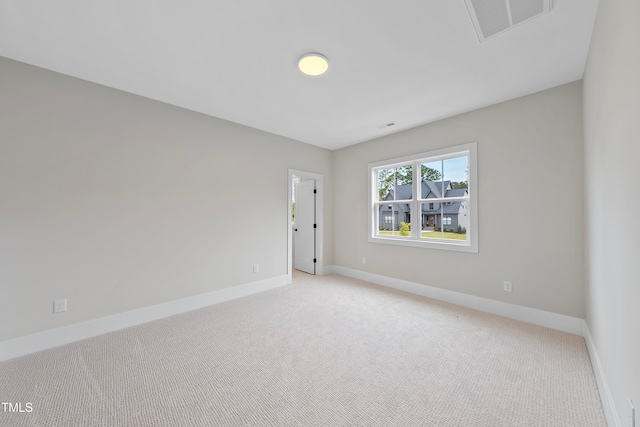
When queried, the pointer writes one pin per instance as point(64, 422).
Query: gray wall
point(529, 154)
point(117, 202)
point(612, 176)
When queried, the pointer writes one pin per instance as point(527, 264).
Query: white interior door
point(304, 231)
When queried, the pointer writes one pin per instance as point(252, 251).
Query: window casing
point(434, 192)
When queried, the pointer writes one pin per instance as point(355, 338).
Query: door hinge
point(315, 191)
point(314, 260)
point(315, 225)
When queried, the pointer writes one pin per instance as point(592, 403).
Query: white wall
point(117, 202)
point(612, 177)
point(530, 173)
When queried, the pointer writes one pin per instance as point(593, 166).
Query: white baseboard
point(603, 387)
point(79, 331)
point(547, 319)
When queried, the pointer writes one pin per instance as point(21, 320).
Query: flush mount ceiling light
point(313, 64)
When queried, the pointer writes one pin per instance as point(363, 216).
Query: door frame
point(319, 221)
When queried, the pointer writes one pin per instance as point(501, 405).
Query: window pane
point(456, 171)
point(394, 219)
point(395, 183)
point(448, 221)
point(431, 179)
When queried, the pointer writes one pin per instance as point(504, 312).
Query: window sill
point(430, 244)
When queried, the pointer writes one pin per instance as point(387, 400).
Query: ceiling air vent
point(386, 125)
point(492, 17)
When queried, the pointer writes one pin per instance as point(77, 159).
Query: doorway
point(304, 225)
point(305, 222)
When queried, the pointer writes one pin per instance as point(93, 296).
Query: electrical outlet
point(60, 305)
point(508, 287)
point(632, 414)
point(364, 260)
point(256, 268)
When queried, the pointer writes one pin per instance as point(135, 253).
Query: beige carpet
point(325, 351)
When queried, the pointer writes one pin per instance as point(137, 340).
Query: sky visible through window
point(455, 169)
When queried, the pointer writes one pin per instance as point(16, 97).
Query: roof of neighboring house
point(453, 208)
point(430, 190)
point(399, 207)
point(403, 192)
point(433, 189)
point(456, 192)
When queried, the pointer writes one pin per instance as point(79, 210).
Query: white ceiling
point(409, 62)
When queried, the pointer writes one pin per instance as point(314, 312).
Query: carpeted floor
point(325, 351)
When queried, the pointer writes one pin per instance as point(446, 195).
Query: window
point(436, 195)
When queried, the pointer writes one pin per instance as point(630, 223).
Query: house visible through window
point(426, 200)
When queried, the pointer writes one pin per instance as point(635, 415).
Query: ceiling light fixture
point(313, 64)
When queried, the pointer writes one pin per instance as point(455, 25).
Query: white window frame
point(415, 239)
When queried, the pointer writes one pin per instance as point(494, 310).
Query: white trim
point(547, 319)
point(435, 155)
point(79, 331)
point(319, 221)
point(603, 387)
